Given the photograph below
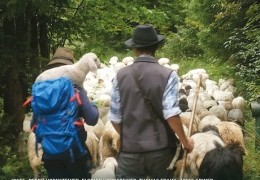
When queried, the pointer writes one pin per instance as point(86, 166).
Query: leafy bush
point(251, 160)
point(245, 45)
point(13, 165)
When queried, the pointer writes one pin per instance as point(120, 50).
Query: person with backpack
point(145, 111)
point(60, 110)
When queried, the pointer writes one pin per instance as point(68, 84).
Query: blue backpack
point(55, 106)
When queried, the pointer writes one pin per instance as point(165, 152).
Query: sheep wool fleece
point(140, 132)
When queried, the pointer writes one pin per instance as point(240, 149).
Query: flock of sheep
point(217, 123)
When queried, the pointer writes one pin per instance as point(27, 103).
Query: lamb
point(108, 169)
point(76, 72)
point(229, 164)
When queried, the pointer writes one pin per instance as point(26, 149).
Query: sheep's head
point(89, 60)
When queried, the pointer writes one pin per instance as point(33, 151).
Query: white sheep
point(118, 66)
point(76, 72)
point(239, 103)
point(34, 159)
point(211, 88)
point(26, 122)
point(231, 133)
point(199, 103)
point(175, 67)
point(226, 104)
point(204, 96)
point(103, 102)
point(128, 60)
point(204, 113)
point(113, 60)
point(98, 129)
point(167, 65)
point(236, 115)
point(226, 84)
point(203, 143)
point(208, 120)
point(185, 119)
point(219, 111)
point(219, 95)
point(109, 144)
point(92, 142)
point(163, 61)
point(209, 104)
point(107, 171)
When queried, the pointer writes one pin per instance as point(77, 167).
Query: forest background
point(221, 36)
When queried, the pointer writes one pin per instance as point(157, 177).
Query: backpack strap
point(28, 100)
point(76, 97)
point(79, 122)
point(33, 127)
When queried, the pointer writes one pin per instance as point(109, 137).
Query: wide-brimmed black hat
point(143, 36)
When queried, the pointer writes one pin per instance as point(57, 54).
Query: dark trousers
point(79, 169)
point(142, 165)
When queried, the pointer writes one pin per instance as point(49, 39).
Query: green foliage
point(221, 36)
point(251, 160)
point(245, 45)
point(12, 165)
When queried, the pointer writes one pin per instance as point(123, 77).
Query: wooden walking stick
point(196, 96)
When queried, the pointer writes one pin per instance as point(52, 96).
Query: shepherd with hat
point(144, 105)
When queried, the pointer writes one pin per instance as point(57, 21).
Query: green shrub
point(14, 165)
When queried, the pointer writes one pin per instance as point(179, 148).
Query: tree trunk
point(13, 93)
point(34, 62)
point(44, 41)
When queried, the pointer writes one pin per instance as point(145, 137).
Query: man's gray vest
point(140, 132)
